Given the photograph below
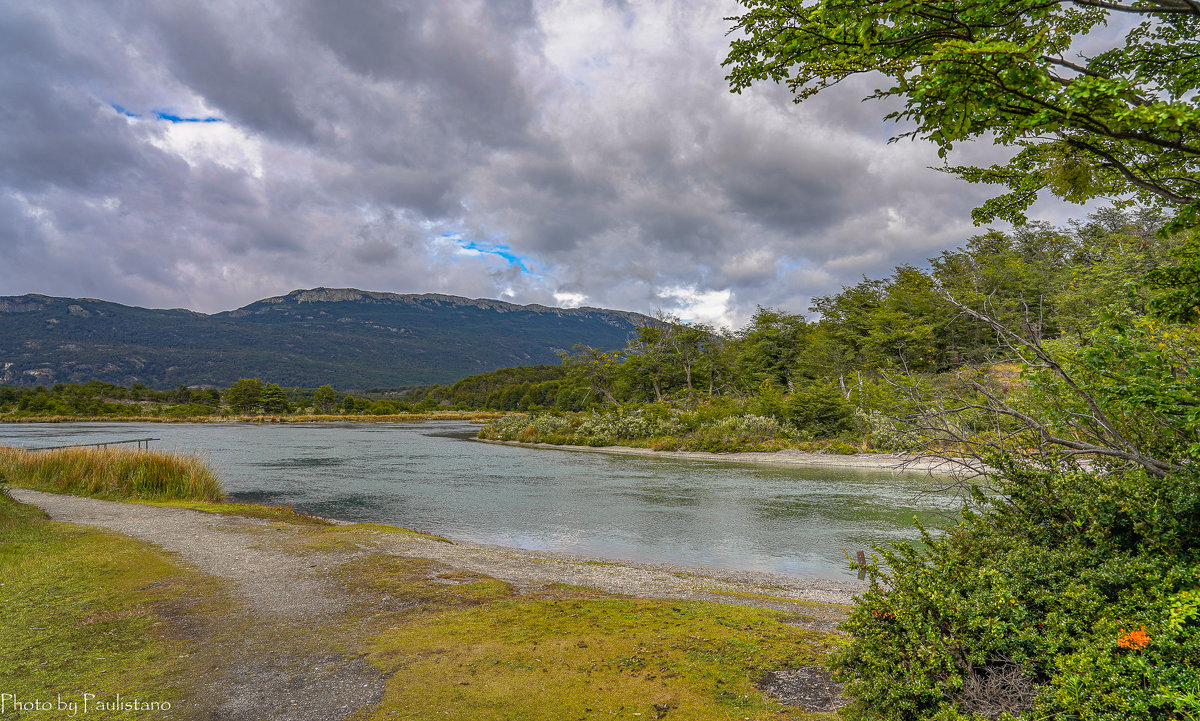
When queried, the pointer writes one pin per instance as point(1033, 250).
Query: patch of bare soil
point(808, 687)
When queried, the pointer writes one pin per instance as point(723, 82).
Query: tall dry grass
point(111, 473)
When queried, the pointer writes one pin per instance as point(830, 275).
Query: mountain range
point(351, 339)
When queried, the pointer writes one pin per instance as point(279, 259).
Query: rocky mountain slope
point(349, 338)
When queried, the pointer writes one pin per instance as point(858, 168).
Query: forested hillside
point(349, 338)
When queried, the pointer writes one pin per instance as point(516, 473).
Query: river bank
point(275, 619)
point(177, 528)
point(788, 457)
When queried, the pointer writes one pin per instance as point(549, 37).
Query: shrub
point(882, 432)
point(188, 410)
point(819, 409)
point(1073, 596)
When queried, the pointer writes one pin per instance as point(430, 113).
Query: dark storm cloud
point(395, 144)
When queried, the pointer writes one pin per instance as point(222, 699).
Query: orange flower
point(1138, 639)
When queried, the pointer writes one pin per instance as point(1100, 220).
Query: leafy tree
point(245, 395)
point(1178, 286)
point(208, 397)
point(324, 399)
point(689, 343)
point(650, 357)
point(771, 348)
point(593, 369)
point(273, 399)
point(1119, 120)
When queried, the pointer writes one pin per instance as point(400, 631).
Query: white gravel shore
point(861, 461)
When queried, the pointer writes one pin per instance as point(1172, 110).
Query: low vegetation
point(112, 473)
point(718, 426)
point(87, 612)
point(577, 658)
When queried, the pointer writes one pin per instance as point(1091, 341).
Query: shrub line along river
point(433, 477)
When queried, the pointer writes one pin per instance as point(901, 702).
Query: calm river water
point(432, 477)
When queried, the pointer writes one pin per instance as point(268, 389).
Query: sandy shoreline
point(863, 461)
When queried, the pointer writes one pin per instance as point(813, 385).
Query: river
point(433, 477)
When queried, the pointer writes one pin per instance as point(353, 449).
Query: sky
point(206, 155)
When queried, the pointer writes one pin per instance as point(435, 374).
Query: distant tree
point(324, 399)
point(593, 369)
point(650, 357)
point(1178, 286)
point(207, 397)
point(274, 399)
point(245, 395)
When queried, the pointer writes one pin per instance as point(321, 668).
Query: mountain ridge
point(350, 338)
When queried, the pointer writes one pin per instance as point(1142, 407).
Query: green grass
point(590, 658)
point(466, 646)
point(83, 611)
point(282, 514)
point(111, 473)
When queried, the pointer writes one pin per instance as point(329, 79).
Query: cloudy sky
point(205, 155)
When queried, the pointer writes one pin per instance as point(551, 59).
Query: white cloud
point(366, 145)
point(211, 142)
point(699, 306)
point(569, 300)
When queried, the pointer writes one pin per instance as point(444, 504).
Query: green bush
point(819, 409)
point(188, 410)
point(1073, 596)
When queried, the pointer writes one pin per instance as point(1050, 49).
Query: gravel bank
point(886, 462)
point(260, 677)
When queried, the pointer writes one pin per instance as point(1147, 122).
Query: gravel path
point(278, 587)
point(272, 583)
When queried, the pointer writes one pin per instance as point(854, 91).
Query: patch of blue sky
point(167, 116)
point(171, 118)
point(496, 249)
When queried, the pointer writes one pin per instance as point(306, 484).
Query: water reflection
point(433, 478)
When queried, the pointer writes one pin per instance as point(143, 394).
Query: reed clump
point(111, 473)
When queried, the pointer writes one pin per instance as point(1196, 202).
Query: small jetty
point(142, 444)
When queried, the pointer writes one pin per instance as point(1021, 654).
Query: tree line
point(247, 396)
